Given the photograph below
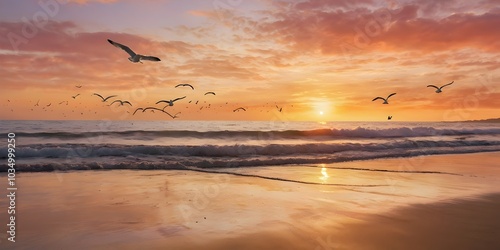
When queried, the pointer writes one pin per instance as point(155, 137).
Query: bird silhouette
point(170, 102)
point(185, 85)
point(439, 89)
point(104, 99)
point(135, 58)
point(121, 102)
point(385, 99)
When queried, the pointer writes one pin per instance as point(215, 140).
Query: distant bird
point(48, 105)
point(137, 110)
point(175, 116)
point(279, 109)
point(238, 109)
point(438, 89)
point(170, 102)
point(78, 86)
point(37, 103)
point(133, 56)
point(161, 110)
point(74, 97)
point(196, 102)
point(121, 102)
point(385, 99)
point(104, 99)
point(151, 108)
point(210, 93)
point(389, 117)
point(185, 85)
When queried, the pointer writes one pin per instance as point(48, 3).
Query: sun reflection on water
point(324, 174)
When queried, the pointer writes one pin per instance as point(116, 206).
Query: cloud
point(310, 27)
point(322, 4)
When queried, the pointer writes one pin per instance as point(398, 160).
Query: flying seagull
point(137, 110)
point(210, 93)
point(121, 102)
point(389, 117)
point(133, 56)
point(238, 109)
point(438, 89)
point(74, 97)
point(279, 109)
point(175, 116)
point(104, 99)
point(185, 85)
point(385, 99)
point(171, 102)
point(78, 86)
point(161, 110)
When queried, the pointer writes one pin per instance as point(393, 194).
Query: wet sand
point(427, 202)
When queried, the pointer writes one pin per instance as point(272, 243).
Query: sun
point(321, 112)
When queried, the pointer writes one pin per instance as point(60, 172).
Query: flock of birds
point(138, 58)
point(386, 100)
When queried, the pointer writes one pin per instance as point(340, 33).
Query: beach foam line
point(383, 170)
point(282, 179)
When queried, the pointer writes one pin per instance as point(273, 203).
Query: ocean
point(87, 145)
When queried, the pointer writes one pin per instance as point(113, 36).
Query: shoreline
point(93, 166)
point(188, 210)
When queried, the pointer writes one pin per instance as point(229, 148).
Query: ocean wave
point(236, 150)
point(359, 132)
point(187, 163)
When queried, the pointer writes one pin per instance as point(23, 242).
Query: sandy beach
point(425, 202)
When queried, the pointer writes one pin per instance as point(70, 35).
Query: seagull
point(48, 105)
point(185, 85)
point(152, 108)
point(121, 102)
point(138, 110)
point(210, 93)
point(279, 109)
point(104, 99)
point(133, 56)
point(170, 102)
point(385, 99)
point(175, 116)
point(389, 117)
point(238, 109)
point(37, 103)
point(161, 110)
point(438, 89)
point(78, 86)
point(74, 97)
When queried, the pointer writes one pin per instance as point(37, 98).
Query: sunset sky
point(318, 60)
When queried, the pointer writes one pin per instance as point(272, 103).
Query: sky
point(315, 60)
